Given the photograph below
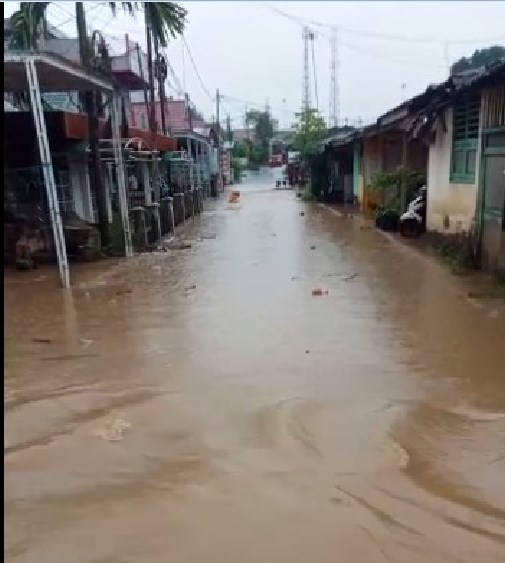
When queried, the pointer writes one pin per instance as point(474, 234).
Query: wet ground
point(200, 405)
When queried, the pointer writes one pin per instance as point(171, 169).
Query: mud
point(196, 426)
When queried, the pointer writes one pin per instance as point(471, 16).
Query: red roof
point(177, 117)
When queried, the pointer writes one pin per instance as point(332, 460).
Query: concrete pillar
point(146, 181)
point(191, 165)
point(106, 180)
point(88, 200)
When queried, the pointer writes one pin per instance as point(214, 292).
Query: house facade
point(452, 136)
point(466, 167)
point(453, 167)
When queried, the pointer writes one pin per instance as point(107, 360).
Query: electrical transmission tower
point(306, 77)
point(334, 109)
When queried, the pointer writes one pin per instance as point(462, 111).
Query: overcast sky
point(254, 54)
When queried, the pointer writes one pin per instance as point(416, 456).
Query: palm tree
point(162, 21)
point(28, 23)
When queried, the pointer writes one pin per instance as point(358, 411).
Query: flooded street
point(201, 405)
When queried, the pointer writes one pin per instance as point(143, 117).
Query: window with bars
point(64, 191)
point(465, 138)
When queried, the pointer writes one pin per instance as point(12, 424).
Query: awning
point(55, 74)
point(41, 72)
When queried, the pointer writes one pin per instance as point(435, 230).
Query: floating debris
point(123, 291)
point(302, 213)
point(69, 357)
point(319, 292)
point(313, 247)
point(42, 340)
point(86, 342)
point(114, 430)
point(190, 287)
point(351, 277)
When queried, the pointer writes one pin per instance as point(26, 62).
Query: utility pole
point(91, 103)
point(311, 37)
point(228, 127)
point(152, 124)
point(188, 108)
point(217, 112)
point(161, 77)
point(218, 140)
point(305, 76)
point(334, 97)
point(246, 123)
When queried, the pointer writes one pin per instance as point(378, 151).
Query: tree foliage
point(240, 150)
point(479, 58)
point(309, 131)
point(263, 126)
point(167, 19)
point(28, 23)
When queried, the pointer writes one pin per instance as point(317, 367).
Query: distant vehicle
point(275, 161)
point(295, 170)
point(293, 156)
point(281, 178)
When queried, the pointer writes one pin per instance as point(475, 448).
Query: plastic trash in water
point(113, 430)
point(319, 292)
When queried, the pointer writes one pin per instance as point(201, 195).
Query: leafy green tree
point(263, 126)
point(240, 150)
point(309, 131)
point(479, 58)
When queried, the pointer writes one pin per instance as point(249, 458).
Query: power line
point(387, 57)
point(385, 36)
point(204, 88)
point(257, 105)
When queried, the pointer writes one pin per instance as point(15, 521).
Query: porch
point(41, 72)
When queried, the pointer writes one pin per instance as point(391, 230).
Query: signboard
point(62, 101)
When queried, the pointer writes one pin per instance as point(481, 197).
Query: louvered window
point(465, 139)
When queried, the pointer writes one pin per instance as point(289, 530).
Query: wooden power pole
point(91, 103)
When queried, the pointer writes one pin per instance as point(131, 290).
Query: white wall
point(445, 199)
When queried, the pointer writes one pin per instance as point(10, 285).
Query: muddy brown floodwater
point(201, 405)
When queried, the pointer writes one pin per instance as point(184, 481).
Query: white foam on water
point(113, 431)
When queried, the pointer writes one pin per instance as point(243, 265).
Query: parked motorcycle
point(413, 221)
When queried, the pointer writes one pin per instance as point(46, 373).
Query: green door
point(493, 205)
